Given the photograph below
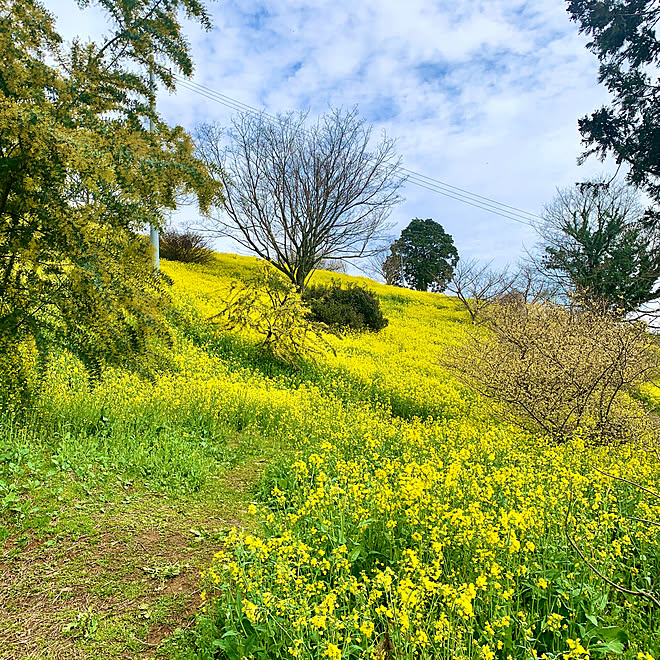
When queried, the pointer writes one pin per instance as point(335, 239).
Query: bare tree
point(477, 285)
point(530, 285)
point(556, 369)
point(298, 196)
point(377, 264)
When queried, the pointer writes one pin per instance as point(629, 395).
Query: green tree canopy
point(81, 173)
point(423, 258)
point(624, 37)
point(596, 245)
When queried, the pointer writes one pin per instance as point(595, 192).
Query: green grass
point(105, 527)
point(115, 495)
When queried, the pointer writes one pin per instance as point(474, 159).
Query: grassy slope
point(116, 496)
point(113, 498)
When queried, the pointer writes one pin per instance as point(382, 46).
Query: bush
point(186, 247)
point(560, 370)
point(352, 307)
point(21, 368)
point(269, 306)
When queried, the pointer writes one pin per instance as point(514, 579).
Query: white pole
point(153, 231)
point(155, 244)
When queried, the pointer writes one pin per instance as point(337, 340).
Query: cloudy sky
point(483, 95)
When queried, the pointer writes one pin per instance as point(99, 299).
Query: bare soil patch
point(119, 591)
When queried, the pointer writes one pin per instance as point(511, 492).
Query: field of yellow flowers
point(408, 523)
point(400, 518)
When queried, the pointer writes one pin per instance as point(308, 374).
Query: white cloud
point(481, 94)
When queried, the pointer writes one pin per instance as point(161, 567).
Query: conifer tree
point(423, 258)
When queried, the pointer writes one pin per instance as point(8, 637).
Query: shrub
point(558, 370)
point(270, 306)
point(21, 368)
point(186, 247)
point(352, 307)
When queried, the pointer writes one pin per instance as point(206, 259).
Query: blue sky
point(480, 94)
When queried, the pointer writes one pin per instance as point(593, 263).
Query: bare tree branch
point(627, 481)
point(477, 285)
point(558, 368)
point(631, 592)
point(299, 196)
point(596, 245)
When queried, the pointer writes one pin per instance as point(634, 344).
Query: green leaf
point(610, 640)
point(354, 554)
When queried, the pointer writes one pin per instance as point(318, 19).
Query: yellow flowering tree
point(271, 307)
point(81, 173)
point(558, 369)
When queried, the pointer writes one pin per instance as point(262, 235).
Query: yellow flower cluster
point(405, 522)
point(444, 534)
point(651, 393)
point(409, 518)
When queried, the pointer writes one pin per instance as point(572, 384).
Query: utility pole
point(153, 231)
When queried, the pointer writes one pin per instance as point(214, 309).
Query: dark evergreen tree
point(624, 38)
point(423, 258)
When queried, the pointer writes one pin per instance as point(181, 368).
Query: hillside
point(364, 505)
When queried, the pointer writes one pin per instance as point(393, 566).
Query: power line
point(421, 180)
point(532, 216)
point(471, 203)
point(469, 198)
point(222, 98)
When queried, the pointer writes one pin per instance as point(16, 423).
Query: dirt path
point(123, 578)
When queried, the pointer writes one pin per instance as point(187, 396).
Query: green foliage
point(624, 38)
point(379, 459)
point(81, 173)
point(352, 307)
point(598, 247)
point(423, 258)
point(186, 247)
point(271, 307)
point(19, 370)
